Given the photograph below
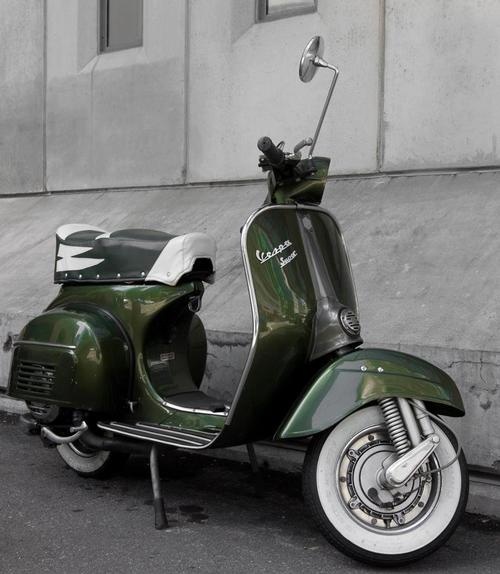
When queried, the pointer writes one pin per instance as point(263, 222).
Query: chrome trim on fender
point(41, 344)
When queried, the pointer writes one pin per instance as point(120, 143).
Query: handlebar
point(274, 155)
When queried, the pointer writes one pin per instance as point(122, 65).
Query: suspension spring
point(395, 425)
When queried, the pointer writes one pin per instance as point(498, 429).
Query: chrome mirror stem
point(321, 63)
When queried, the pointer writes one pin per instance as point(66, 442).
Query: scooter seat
point(86, 254)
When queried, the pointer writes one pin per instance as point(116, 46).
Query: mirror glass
point(314, 48)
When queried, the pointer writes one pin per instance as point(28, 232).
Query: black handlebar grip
point(273, 154)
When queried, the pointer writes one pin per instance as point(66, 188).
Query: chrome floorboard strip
point(206, 437)
point(158, 434)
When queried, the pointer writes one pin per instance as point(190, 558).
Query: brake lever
point(302, 143)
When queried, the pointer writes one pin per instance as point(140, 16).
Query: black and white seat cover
point(87, 254)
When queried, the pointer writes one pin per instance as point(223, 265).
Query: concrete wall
point(418, 85)
point(244, 84)
point(442, 81)
point(417, 90)
point(114, 119)
point(21, 96)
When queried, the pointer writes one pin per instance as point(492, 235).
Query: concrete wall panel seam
point(381, 88)
point(187, 66)
point(44, 96)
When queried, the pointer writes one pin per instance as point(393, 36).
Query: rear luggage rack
point(162, 434)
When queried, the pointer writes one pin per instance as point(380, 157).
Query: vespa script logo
point(264, 256)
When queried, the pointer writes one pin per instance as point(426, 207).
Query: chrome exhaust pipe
point(55, 438)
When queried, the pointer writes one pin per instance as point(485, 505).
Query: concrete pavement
point(52, 520)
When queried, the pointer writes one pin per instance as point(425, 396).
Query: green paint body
point(343, 387)
point(86, 353)
point(309, 189)
point(285, 300)
point(79, 317)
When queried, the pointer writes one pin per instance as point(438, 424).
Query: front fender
point(363, 376)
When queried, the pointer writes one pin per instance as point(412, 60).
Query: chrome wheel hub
point(364, 494)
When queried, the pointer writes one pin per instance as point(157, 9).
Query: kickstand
point(161, 521)
point(256, 473)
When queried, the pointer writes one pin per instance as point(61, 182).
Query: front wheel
point(387, 527)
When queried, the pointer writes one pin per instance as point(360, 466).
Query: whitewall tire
point(362, 519)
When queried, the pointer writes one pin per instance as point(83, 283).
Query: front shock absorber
point(395, 425)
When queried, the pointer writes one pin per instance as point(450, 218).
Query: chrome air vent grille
point(349, 322)
point(35, 378)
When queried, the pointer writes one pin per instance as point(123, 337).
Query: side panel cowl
point(71, 358)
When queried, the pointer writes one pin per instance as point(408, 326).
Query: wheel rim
point(375, 508)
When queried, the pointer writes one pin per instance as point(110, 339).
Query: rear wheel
point(91, 463)
point(375, 524)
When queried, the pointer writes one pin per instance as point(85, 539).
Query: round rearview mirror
point(313, 50)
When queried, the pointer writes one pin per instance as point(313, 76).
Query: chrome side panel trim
point(40, 344)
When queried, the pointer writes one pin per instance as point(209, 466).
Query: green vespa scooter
point(113, 366)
